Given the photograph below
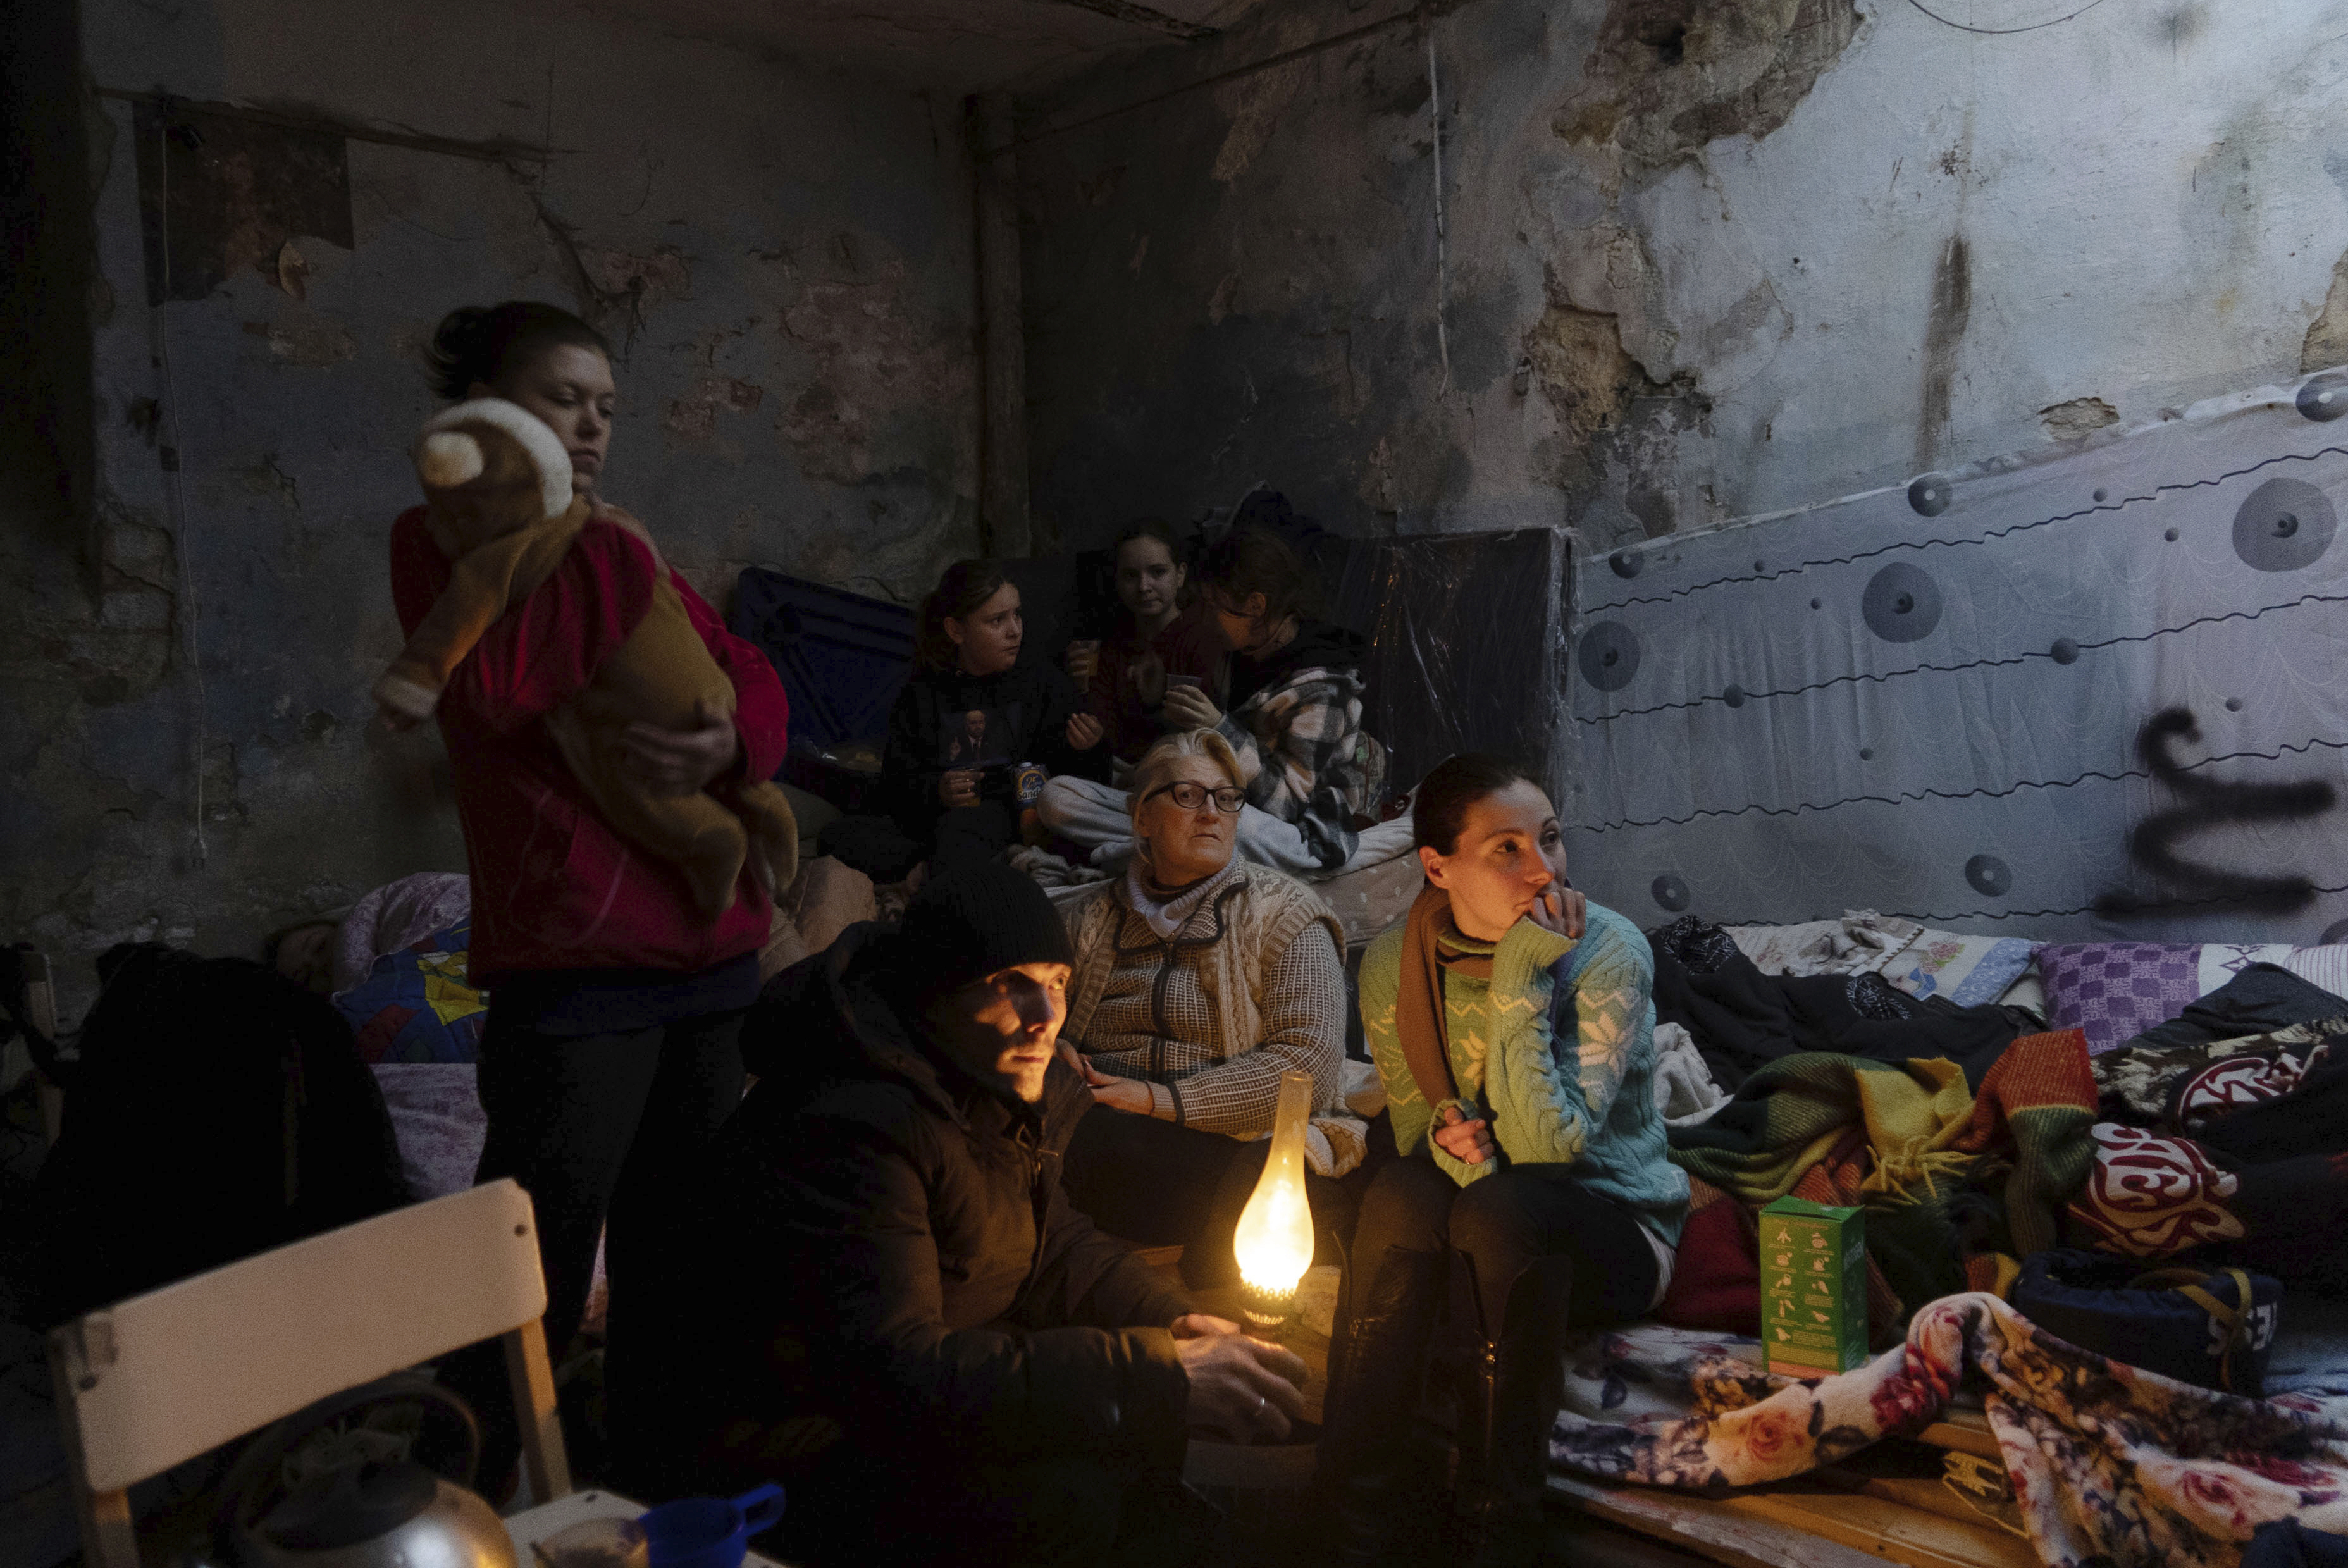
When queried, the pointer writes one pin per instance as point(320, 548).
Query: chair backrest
point(153, 1381)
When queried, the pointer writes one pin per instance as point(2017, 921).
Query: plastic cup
point(709, 1532)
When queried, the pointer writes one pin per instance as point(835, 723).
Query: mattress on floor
point(2310, 1348)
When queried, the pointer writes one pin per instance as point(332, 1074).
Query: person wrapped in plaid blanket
point(1295, 717)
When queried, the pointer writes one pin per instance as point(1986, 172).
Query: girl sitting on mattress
point(1512, 1025)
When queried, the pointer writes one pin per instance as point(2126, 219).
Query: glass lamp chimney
point(1274, 1240)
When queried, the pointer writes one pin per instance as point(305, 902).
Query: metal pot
point(321, 1489)
point(391, 1515)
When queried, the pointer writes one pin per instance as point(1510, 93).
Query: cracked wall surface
point(783, 261)
point(1700, 259)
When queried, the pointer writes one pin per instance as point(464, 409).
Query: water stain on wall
point(1580, 369)
point(1945, 330)
point(693, 417)
point(872, 364)
point(1256, 102)
point(1598, 392)
point(1662, 81)
point(311, 342)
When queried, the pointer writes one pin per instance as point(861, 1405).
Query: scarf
point(1431, 944)
point(1167, 917)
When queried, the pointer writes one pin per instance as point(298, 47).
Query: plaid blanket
point(1306, 759)
point(1786, 1116)
point(1955, 1185)
point(1790, 1116)
point(2030, 1123)
point(2110, 1465)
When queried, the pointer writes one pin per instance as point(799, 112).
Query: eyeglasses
point(1190, 795)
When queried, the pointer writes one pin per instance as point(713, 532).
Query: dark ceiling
point(964, 45)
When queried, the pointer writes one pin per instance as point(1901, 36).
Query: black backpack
point(217, 1111)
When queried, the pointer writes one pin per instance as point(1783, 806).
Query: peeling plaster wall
point(1702, 258)
point(784, 260)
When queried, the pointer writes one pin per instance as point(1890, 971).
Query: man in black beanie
point(899, 1316)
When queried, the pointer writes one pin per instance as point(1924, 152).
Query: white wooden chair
point(151, 1382)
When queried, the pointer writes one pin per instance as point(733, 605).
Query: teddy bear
point(500, 508)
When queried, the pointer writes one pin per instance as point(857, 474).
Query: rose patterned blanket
point(2110, 1465)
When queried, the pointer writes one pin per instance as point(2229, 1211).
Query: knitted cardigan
point(1569, 1081)
point(1231, 944)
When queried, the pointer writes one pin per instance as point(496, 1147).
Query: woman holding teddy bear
point(611, 1054)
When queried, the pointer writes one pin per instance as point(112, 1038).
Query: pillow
point(1969, 971)
point(2222, 960)
point(2324, 966)
point(415, 1006)
point(396, 915)
point(2117, 990)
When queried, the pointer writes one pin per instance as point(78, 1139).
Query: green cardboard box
point(1813, 1287)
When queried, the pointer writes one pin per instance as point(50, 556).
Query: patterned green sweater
point(1558, 1048)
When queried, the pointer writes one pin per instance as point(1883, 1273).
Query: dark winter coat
point(904, 1261)
point(217, 1111)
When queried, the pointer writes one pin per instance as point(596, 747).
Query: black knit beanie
point(973, 923)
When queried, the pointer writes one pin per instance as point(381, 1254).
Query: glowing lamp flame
point(1274, 1240)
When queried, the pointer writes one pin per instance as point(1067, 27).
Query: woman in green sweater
point(1513, 1026)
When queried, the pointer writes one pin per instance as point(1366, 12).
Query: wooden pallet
point(1832, 1518)
point(1799, 1525)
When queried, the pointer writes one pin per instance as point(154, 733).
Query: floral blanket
point(2110, 1465)
point(1643, 1370)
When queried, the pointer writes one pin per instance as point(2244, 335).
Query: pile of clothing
point(1973, 1136)
point(2223, 1135)
point(1961, 1130)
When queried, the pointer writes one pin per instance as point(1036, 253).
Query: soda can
point(1027, 780)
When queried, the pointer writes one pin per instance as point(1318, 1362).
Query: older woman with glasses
point(1199, 979)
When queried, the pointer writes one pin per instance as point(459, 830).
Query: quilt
point(416, 1004)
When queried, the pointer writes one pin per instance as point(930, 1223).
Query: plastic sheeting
point(2097, 692)
point(1467, 635)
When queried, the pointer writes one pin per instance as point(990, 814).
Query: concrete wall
point(1704, 258)
point(783, 260)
